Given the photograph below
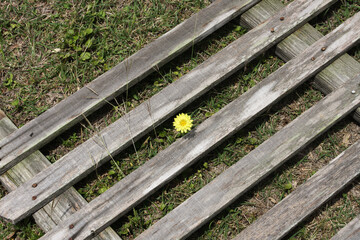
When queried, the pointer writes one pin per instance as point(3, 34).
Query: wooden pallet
point(61, 207)
point(74, 108)
point(39, 188)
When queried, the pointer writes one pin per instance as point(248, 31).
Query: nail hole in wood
point(313, 59)
point(323, 48)
point(272, 30)
point(33, 197)
point(31, 134)
point(71, 226)
point(282, 18)
point(34, 185)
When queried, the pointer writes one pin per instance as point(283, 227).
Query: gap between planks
point(351, 231)
point(308, 197)
point(63, 206)
point(280, 48)
point(171, 161)
point(259, 163)
point(97, 150)
point(98, 92)
point(339, 72)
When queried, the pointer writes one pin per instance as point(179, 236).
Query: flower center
point(183, 123)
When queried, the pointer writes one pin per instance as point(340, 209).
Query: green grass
point(50, 49)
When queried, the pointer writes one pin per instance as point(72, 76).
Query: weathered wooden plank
point(167, 102)
point(187, 150)
point(308, 197)
point(255, 166)
point(258, 164)
point(62, 207)
point(330, 78)
point(135, 68)
point(350, 232)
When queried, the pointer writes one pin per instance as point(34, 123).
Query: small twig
point(92, 90)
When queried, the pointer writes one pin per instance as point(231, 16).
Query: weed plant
point(50, 49)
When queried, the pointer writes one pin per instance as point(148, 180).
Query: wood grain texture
point(248, 171)
point(173, 160)
point(351, 231)
point(62, 207)
point(308, 197)
point(259, 163)
point(135, 68)
point(94, 152)
point(340, 71)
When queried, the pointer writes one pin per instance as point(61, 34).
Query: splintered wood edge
point(2, 114)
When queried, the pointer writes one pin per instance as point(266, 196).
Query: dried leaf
point(345, 139)
point(10, 235)
point(272, 200)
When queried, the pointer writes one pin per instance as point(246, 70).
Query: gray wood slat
point(168, 163)
point(259, 163)
point(351, 231)
point(72, 109)
point(62, 207)
point(79, 162)
point(340, 71)
point(255, 166)
point(308, 197)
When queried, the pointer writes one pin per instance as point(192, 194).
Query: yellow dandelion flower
point(183, 123)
